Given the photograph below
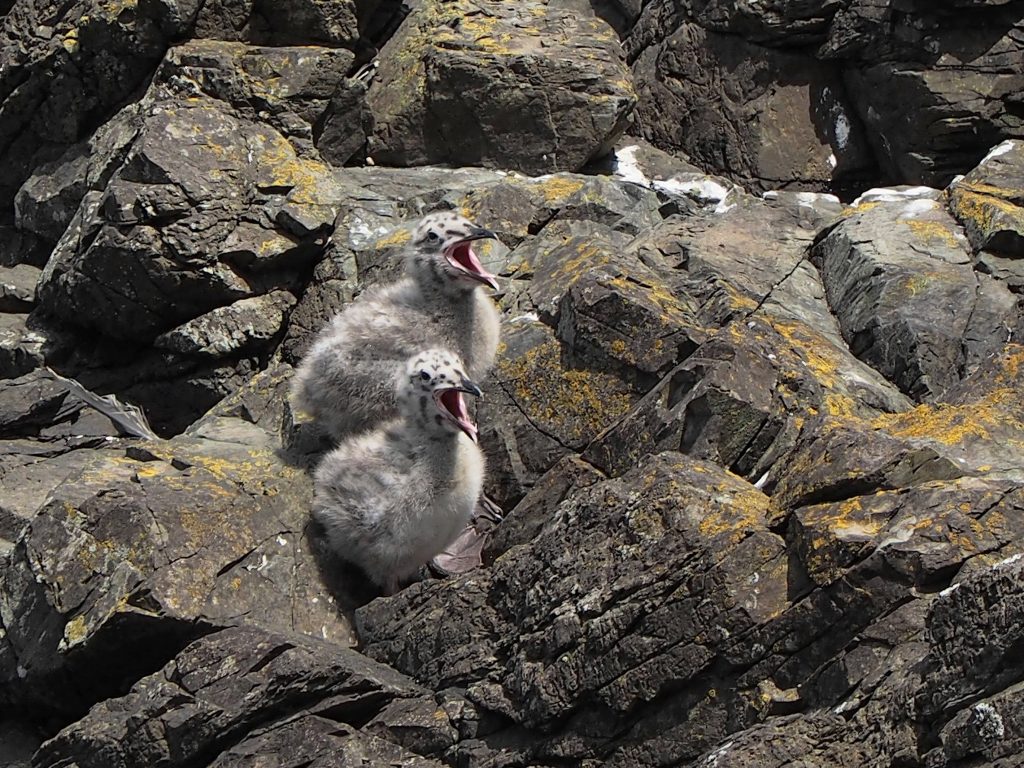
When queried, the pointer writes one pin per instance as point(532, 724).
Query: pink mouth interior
point(463, 257)
point(452, 401)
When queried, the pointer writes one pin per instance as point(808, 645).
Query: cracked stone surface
point(759, 455)
point(531, 86)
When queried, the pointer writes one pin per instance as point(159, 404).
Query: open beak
point(462, 257)
point(453, 406)
point(470, 388)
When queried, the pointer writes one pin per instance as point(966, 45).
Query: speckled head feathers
point(431, 391)
point(443, 255)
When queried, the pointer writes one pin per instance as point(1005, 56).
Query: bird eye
point(432, 236)
point(424, 375)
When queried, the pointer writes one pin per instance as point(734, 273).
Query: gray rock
point(917, 314)
point(733, 108)
point(245, 327)
point(990, 207)
point(18, 288)
point(142, 571)
point(534, 88)
point(221, 688)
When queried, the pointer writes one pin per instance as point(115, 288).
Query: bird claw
point(466, 552)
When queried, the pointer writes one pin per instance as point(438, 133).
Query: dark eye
point(432, 236)
point(424, 375)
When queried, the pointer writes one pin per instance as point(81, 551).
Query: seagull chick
point(342, 382)
point(391, 499)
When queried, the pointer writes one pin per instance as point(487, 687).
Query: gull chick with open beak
point(343, 380)
point(391, 499)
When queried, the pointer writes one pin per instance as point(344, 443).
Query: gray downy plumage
point(392, 498)
point(341, 382)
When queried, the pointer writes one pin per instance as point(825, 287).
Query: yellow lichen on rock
point(576, 404)
point(980, 204)
point(957, 424)
point(931, 230)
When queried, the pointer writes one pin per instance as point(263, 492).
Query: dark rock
point(333, 285)
point(541, 406)
point(593, 589)
point(928, 125)
point(973, 431)
point(20, 247)
point(118, 565)
point(305, 22)
point(534, 88)
point(18, 287)
point(244, 327)
point(736, 108)
point(741, 396)
point(48, 200)
point(921, 340)
point(292, 89)
point(989, 205)
point(785, 25)
point(344, 127)
point(213, 700)
point(21, 347)
point(143, 269)
point(528, 517)
point(66, 69)
point(730, 537)
point(926, 533)
point(18, 741)
point(31, 470)
point(39, 401)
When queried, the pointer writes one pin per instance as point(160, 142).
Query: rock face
point(531, 86)
point(760, 456)
point(787, 93)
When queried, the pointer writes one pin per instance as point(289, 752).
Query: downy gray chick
point(343, 381)
point(392, 498)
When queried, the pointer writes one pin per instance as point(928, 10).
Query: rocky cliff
point(758, 430)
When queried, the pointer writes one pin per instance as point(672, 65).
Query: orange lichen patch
point(817, 353)
point(862, 208)
point(394, 239)
point(668, 307)
point(957, 424)
point(1012, 361)
point(933, 230)
point(991, 190)
point(849, 519)
point(587, 256)
point(980, 204)
point(736, 512)
point(576, 404)
point(556, 190)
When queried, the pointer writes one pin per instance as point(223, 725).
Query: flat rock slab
point(989, 202)
point(899, 277)
point(139, 553)
point(245, 694)
point(531, 87)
